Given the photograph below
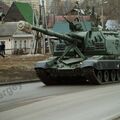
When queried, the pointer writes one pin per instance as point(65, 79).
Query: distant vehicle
point(112, 25)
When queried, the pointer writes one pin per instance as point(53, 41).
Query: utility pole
point(38, 35)
point(44, 25)
point(102, 11)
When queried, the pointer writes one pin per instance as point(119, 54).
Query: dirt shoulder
point(19, 68)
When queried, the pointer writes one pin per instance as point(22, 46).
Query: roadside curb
point(114, 117)
point(19, 82)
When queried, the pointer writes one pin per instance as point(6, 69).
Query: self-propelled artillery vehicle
point(83, 55)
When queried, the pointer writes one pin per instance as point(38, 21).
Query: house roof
point(53, 19)
point(26, 11)
point(19, 11)
point(61, 27)
point(9, 29)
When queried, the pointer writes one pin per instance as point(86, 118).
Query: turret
point(26, 27)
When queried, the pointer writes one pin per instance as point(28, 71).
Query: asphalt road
point(83, 102)
point(12, 96)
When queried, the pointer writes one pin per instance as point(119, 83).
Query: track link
point(92, 76)
point(101, 77)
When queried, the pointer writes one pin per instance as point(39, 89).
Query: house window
point(25, 44)
point(2, 42)
point(15, 44)
point(20, 44)
point(15, 47)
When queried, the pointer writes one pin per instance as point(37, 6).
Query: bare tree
point(60, 7)
point(111, 8)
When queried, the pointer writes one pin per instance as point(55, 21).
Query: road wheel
point(99, 76)
point(113, 75)
point(118, 75)
point(106, 76)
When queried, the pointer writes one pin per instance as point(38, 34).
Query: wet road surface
point(39, 102)
point(12, 96)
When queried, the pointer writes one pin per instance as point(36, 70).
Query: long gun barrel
point(26, 27)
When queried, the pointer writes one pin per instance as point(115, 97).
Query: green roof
point(61, 27)
point(26, 11)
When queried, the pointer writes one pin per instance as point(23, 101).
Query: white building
point(16, 42)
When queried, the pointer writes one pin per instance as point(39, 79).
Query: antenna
point(80, 13)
